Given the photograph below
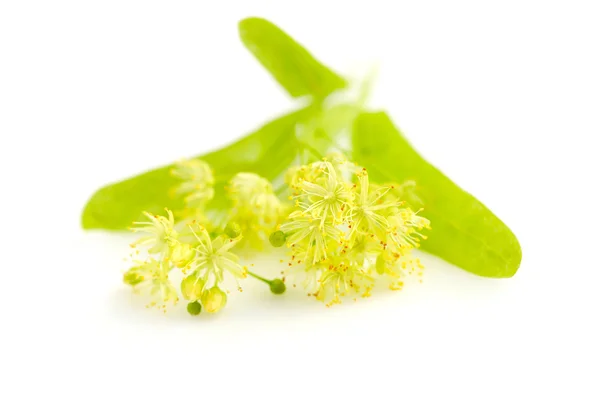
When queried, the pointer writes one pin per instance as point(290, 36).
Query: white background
point(502, 96)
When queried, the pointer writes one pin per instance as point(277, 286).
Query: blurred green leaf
point(464, 232)
point(267, 152)
point(289, 63)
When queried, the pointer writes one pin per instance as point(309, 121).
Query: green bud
point(194, 308)
point(277, 238)
point(233, 230)
point(380, 265)
point(277, 286)
point(191, 287)
point(132, 278)
point(214, 300)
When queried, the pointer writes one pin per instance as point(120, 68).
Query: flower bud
point(277, 286)
point(214, 299)
point(194, 308)
point(191, 287)
point(233, 230)
point(277, 238)
point(132, 278)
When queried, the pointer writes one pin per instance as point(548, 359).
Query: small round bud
point(214, 300)
point(277, 238)
point(191, 287)
point(233, 230)
point(277, 286)
point(194, 308)
point(132, 278)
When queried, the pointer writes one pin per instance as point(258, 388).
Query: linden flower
point(406, 225)
point(295, 175)
point(246, 185)
point(397, 267)
point(256, 207)
point(305, 232)
point(343, 167)
point(213, 258)
point(363, 250)
point(161, 233)
point(309, 273)
point(342, 277)
point(152, 276)
point(370, 210)
point(327, 197)
point(255, 193)
point(197, 181)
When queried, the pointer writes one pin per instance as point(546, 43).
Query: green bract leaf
point(267, 152)
point(289, 63)
point(464, 232)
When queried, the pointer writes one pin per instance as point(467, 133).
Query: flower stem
point(256, 276)
point(277, 286)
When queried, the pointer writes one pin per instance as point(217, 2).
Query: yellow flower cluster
point(255, 209)
point(345, 232)
point(203, 260)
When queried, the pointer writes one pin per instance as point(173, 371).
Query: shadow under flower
point(256, 307)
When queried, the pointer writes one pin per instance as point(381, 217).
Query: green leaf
point(267, 152)
point(289, 63)
point(464, 231)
